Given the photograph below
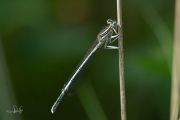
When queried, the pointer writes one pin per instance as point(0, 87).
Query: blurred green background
point(42, 41)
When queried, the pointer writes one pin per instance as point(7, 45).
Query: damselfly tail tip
point(57, 102)
point(52, 110)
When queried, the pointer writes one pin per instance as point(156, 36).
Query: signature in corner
point(16, 110)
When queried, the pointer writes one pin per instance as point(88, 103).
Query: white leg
point(111, 47)
point(115, 37)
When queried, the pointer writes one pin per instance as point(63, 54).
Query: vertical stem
point(176, 65)
point(121, 61)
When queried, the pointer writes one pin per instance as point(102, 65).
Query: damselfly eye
point(114, 24)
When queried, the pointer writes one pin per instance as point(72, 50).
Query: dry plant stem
point(176, 65)
point(121, 61)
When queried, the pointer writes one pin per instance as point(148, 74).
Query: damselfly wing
point(105, 37)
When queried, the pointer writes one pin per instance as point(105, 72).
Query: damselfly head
point(112, 23)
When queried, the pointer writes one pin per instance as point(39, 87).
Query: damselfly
point(106, 36)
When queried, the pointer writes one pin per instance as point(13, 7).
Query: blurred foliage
point(44, 41)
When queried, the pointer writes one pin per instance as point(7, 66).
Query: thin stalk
point(121, 61)
point(176, 65)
